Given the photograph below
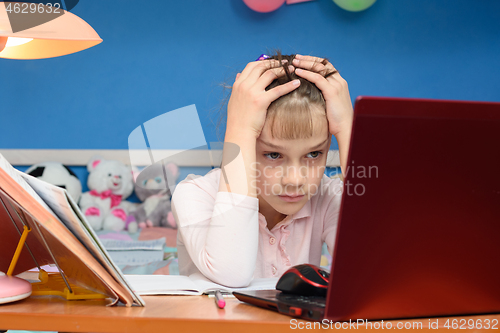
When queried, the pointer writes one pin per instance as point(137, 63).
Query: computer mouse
point(13, 288)
point(305, 280)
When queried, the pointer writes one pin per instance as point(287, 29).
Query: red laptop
point(419, 226)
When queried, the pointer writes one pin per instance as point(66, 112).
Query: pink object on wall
point(264, 6)
point(291, 2)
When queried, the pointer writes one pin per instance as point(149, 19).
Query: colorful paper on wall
point(292, 2)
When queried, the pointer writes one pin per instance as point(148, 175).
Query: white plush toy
point(110, 183)
point(57, 174)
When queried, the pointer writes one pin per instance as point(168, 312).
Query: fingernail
point(295, 61)
point(298, 56)
point(295, 82)
point(290, 68)
point(298, 70)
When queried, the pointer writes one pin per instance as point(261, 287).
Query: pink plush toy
point(110, 183)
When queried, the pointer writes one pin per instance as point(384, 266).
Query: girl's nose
point(294, 176)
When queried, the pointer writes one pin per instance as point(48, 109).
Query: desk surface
point(177, 313)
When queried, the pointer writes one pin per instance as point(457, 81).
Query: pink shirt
point(223, 235)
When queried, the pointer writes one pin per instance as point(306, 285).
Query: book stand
point(50, 284)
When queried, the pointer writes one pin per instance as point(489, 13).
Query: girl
point(269, 206)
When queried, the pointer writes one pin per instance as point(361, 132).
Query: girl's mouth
point(289, 198)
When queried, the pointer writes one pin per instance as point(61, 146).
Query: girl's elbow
point(232, 278)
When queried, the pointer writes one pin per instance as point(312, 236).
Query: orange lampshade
point(64, 34)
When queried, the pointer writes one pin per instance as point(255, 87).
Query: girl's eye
point(120, 177)
point(272, 156)
point(109, 175)
point(158, 180)
point(314, 154)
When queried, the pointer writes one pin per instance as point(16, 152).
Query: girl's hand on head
point(249, 101)
point(339, 110)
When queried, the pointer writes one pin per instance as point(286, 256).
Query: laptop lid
point(419, 226)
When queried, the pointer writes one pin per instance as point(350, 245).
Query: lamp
point(61, 34)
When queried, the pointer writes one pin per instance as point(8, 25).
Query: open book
point(59, 235)
point(194, 284)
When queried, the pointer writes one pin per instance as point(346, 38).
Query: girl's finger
point(319, 68)
point(311, 58)
point(276, 92)
point(313, 66)
point(322, 61)
point(318, 79)
point(270, 75)
point(237, 76)
point(316, 67)
point(261, 68)
point(258, 67)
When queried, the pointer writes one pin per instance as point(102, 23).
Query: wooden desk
point(162, 313)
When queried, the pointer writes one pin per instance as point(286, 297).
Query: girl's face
point(289, 172)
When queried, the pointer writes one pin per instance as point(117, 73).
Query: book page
point(16, 176)
point(63, 205)
point(195, 284)
point(163, 285)
point(207, 286)
point(115, 271)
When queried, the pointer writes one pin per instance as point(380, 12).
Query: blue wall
point(158, 56)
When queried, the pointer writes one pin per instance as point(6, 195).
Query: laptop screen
point(419, 224)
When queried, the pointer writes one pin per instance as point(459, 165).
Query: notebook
point(194, 284)
point(418, 232)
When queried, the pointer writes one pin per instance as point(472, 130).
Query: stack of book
point(133, 253)
point(58, 234)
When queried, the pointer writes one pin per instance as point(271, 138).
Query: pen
point(219, 300)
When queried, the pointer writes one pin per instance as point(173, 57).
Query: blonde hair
point(291, 115)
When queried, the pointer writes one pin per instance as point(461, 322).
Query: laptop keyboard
point(303, 300)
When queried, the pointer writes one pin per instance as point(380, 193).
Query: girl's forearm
point(343, 139)
point(238, 164)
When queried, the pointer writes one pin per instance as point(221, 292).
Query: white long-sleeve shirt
point(223, 235)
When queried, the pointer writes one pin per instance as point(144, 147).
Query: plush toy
point(110, 183)
point(57, 174)
point(155, 193)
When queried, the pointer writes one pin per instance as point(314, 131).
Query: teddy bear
point(110, 183)
point(57, 174)
point(155, 193)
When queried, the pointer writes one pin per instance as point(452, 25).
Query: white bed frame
point(80, 157)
